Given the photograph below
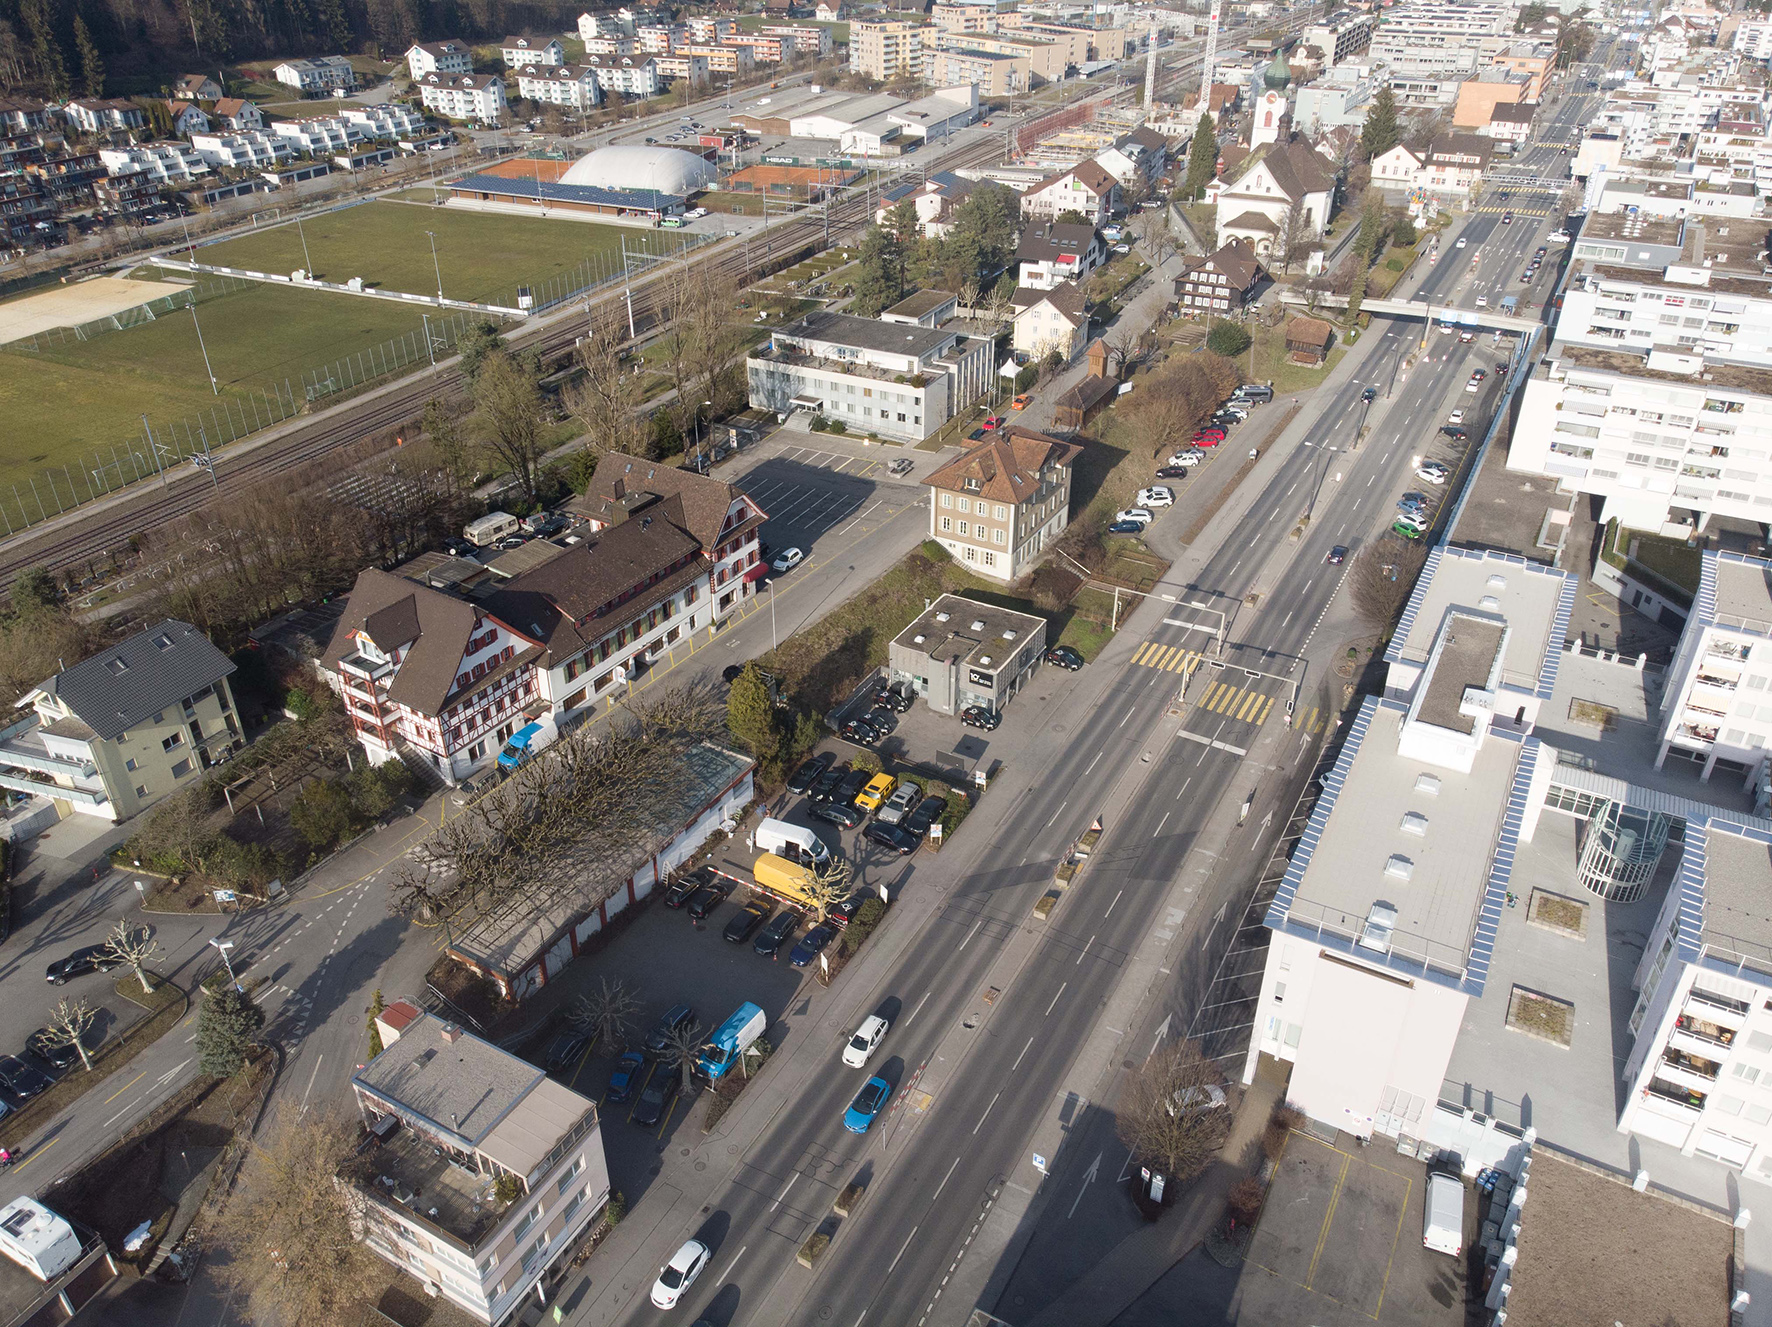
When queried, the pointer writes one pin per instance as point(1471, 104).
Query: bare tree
point(507, 417)
point(682, 1046)
point(293, 1229)
point(1155, 237)
point(1292, 237)
point(1167, 1116)
point(134, 945)
point(1382, 577)
point(607, 399)
point(606, 1012)
point(68, 1026)
point(827, 885)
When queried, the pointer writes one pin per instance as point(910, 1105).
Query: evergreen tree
point(334, 24)
point(1202, 158)
point(750, 714)
point(45, 49)
point(1356, 295)
point(92, 65)
point(881, 280)
point(376, 1008)
point(225, 1026)
point(1381, 132)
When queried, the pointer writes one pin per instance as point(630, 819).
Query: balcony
point(1682, 1099)
point(1697, 1035)
point(1725, 649)
point(1690, 1071)
point(1709, 704)
point(359, 665)
point(1717, 1010)
point(1697, 732)
point(1709, 677)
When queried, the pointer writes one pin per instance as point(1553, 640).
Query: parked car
point(1208, 439)
point(894, 837)
point(22, 1080)
point(93, 958)
point(1187, 460)
point(882, 720)
point(837, 812)
point(1021, 402)
point(899, 697)
point(731, 673)
point(899, 805)
point(1432, 474)
point(843, 912)
point(1211, 431)
point(901, 466)
point(859, 731)
point(929, 810)
point(828, 783)
point(812, 944)
point(1456, 417)
point(1337, 555)
point(564, 1050)
point(624, 1078)
point(866, 1040)
point(1454, 431)
point(1142, 515)
point(1156, 496)
point(868, 1104)
point(854, 781)
point(679, 891)
point(1126, 527)
point(1065, 657)
point(658, 1041)
point(977, 716)
point(657, 1097)
point(50, 1048)
point(801, 780)
point(787, 560)
point(749, 918)
point(780, 930)
point(993, 421)
point(707, 898)
point(1172, 472)
point(1407, 531)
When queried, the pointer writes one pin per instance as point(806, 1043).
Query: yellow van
point(879, 788)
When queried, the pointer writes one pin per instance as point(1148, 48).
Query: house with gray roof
point(1282, 198)
point(118, 731)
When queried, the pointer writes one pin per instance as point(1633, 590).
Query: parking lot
point(809, 493)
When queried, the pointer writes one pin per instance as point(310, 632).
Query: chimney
point(451, 1033)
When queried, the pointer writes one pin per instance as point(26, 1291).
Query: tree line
point(979, 244)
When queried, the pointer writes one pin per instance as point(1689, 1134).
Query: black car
point(749, 918)
point(1370, 394)
point(658, 1041)
point(20, 1079)
point(93, 958)
point(731, 673)
point(801, 780)
point(895, 837)
point(898, 698)
point(854, 781)
point(924, 814)
point(859, 731)
point(1454, 431)
point(882, 720)
point(841, 914)
point(49, 1047)
point(828, 783)
point(1337, 555)
point(659, 1096)
point(1173, 472)
point(679, 891)
point(812, 944)
point(707, 898)
point(1065, 657)
point(564, 1049)
point(773, 936)
point(838, 812)
point(977, 716)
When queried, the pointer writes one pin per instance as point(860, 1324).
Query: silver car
point(900, 804)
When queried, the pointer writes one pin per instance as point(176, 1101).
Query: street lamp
point(213, 387)
point(435, 264)
point(306, 261)
point(224, 946)
point(701, 435)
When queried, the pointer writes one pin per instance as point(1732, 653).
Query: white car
point(865, 1042)
point(1139, 514)
point(1415, 520)
point(1467, 336)
point(787, 559)
point(1456, 417)
point(1430, 475)
point(1460, 244)
point(1446, 329)
point(1187, 460)
point(1159, 496)
point(1122, 248)
point(1197, 1100)
point(1558, 237)
point(1473, 384)
point(679, 1274)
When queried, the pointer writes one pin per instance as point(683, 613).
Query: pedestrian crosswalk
point(1238, 700)
point(1232, 701)
point(1166, 658)
point(1499, 208)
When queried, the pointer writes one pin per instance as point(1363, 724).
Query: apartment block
point(1433, 36)
point(693, 69)
point(166, 163)
point(1712, 710)
point(764, 48)
point(446, 1117)
point(999, 506)
point(735, 60)
point(317, 77)
point(252, 149)
point(1346, 37)
point(808, 39)
point(875, 377)
point(563, 85)
point(886, 49)
point(631, 75)
point(478, 98)
point(997, 75)
point(515, 51)
point(448, 56)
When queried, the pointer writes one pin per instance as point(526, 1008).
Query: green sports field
point(71, 403)
point(484, 256)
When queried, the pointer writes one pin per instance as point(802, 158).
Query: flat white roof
point(1743, 593)
point(1535, 600)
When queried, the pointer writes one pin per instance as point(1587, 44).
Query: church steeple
point(1278, 74)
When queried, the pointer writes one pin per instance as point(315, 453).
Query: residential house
point(1399, 168)
point(116, 732)
point(1050, 320)
point(1285, 186)
point(691, 69)
point(478, 98)
point(827, 12)
point(250, 149)
point(997, 507)
point(1454, 165)
point(1222, 282)
point(164, 163)
point(935, 198)
point(1308, 340)
point(1086, 189)
point(1511, 123)
point(187, 119)
point(197, 87)
point(95, 116)
point(448, 56)
point(631, 75)
point(447, 1118)
point(236, 113)
point(1052, 253)
point(24, 115)
point(563, 85)
point(318, 77)
point(516, 51)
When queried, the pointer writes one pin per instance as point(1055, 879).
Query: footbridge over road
point(1492, 320)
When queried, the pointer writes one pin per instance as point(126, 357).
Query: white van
point(491, 528)
point(1443, 1217)
point(795, 842)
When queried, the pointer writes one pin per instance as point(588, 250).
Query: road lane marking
point(1085, 953)
point(734, 1263)
point(1024, 1051)
point(950, 1175)
point(1189, 779)
point(907, 1244)
point(311, 1078)
point(1059, 812)
point(1056, 994)
point(970, 934)
point(131, 1083)
point(1160, 824)
point(783, 1194)
point(986, 1115)
point(919, 1008)
point(1095, 762)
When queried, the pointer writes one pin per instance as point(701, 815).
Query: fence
point(163, 445)
point(123, 319)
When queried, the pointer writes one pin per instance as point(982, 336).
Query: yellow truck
point(873, 797)
point(785, 880)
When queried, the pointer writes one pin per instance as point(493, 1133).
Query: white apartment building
point(250, 149)
point(1347, 37)
point(629, 75)
point(563, 85)
point(1656, 393)
point(1342, 96)
point(1430, 36)
point(710, 28)
point(808, 39)
point(387, 122)
point(515, 51)
point(1715, 707)
point(448, 56)
point(317, 77)
point(320, 136)
point(479, 98)
point(886, 50)
point(612, 45)
point(1753, 40)
point(889, 379)
point(166, 163)
point(692, 69)
point(449, 1115)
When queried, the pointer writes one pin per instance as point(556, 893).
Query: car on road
point(707, 898)
point(929, 810)
point(564, 1050)
point(868, 1104)
point(812, 944)
point(1020, 402)
point(1143, 515)
point(1507, 218)
point(1171, 472)
point(1526, 276)
point(1065, 657)
point(838, 813)
point(625, 1077)
point(993, 421)
point(1539, 256)
point(779, 931)
point(1369, 394)
point(1456, 417)
point(679, 1273)
point(1462, 240)
point(787, 560)
point(731, 673)
point(22, 1080)
point(1126, 527)
point(1157, 496)
point(57, 1053)
point(1446, 329)
point(895, 838)
point(900, 804)
point(1472, 385)
point(749, 918)
point(801, 780)
point(1337, 555)
point(93, 958)
point(866, 1040)
point(658, 1041)
point(1466, 337)
point(1478, 375)
point(977, 716)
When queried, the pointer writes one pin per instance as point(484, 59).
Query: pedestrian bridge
point(1492, 320)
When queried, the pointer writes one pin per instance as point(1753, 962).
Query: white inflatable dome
point(666, 169)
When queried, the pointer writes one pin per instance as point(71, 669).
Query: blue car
point(812, 944)
point(1126, 527)
point(625, 1077)
point(868, 1103)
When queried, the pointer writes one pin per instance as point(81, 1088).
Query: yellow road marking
point(1145, 651)
point(131, 1083)
point(1323, 1234)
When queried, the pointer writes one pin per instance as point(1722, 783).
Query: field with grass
point(483, 256)
point(1272, 364)
point(68, 401)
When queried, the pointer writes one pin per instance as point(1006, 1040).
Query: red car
point(1210, 431)
point(1205, 440)
point(993, 422)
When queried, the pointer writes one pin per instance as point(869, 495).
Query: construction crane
point(1207, 57)
point(1150, 70)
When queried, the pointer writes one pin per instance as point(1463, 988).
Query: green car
point(1407, 531)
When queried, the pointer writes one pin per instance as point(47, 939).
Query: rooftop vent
point(1476, 702)
point(1376, 933)
point(1428, 784)
point(978, 624)
point(1009, 633)
point(1399, 867)
point(918, 639)
point(1489, 602)
point(943, 617)
point(1414, 823)
point(984, 661)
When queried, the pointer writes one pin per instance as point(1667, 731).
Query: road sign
point(224, 896)
point(1039, 1163)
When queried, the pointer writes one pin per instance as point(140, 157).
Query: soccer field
point(72, 403)
point(483, 256)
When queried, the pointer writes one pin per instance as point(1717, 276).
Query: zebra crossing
point(1238, 700)
point(1167, 658)
point(1499, 208)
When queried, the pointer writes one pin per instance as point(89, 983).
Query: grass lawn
point(483, 256)
point(64, 402)
point(1272, 365)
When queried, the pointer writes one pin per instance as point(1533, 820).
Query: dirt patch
point(1542, 1016)
point(1554, 912)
